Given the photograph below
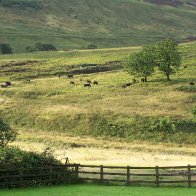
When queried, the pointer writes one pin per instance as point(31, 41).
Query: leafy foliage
point(187, 88)
point(22, 3)
point(40, 47)
point(6, 134)
point(92, 46)
point(142, 63)
point(193, 111)
point(162, 124)
point(168, 57)
point(14, 157)
point(5, 49)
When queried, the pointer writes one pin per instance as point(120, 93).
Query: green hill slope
point(51, 105)
point(75, 24)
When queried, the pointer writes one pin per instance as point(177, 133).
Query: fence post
point(21, 177)
point(77, 171)
point(101, 173)
point(189, 175)
point(157, 176)
point(128, 175)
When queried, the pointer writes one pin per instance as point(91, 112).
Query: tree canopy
point(168, 57)
point(6, 134)
point(164, 55)
point(142, 63)
point(5, 49)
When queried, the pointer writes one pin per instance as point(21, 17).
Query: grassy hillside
point(112, 23)
point(51, 104)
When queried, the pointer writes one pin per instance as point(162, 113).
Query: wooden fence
point(138, 175)
point(127, 175)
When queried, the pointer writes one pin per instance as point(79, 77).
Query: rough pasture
point(49, 103)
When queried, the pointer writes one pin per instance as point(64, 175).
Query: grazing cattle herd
point(88, 83)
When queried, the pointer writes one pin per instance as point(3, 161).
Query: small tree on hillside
point(6, 134)
point(142, 63)
point(44, 47)
point(92, 46)
point(168, 57)
point(5, 49)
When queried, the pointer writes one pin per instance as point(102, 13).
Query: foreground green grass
point(93, 190)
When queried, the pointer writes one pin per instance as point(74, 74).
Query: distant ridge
point(70, 24)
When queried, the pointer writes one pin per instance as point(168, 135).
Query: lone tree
point(5, 49)
point(142, 63)
point(168, 57)
point(6, 134)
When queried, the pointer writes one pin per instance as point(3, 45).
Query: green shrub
point(16, 158)
point(6, 134)
point(92, 46)
point(5, 49)
point(193, 111)
point(161, 125)
point(22, 4)
point(187, 88)
point(32, 163)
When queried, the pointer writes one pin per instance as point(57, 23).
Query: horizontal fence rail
point(59, 174)
point(139, 175)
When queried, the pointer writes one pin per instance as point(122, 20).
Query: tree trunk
point(168, 78)
point(168, 73)
point(146, 80)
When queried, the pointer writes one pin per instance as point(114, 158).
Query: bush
point(92, 46)
point(44, 47)
point(5, 49)
point(193, 111)
point(40, 47)
point(13, 159)
point(29, 49)
point(16, 158)
point(161, 125)
point(6, 134)
point(187, 88)
point(22, 4)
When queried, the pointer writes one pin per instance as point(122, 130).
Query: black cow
point(95, 83)
point(192, 83)
point(185, 67)
point(72, 82)
point(8, 83)
point(124, 86)
point(70, 76)
point(128, 84)
point(87, 85)
point(89, 81)
point(143, 80)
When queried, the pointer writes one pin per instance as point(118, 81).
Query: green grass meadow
point(94, 190)
point(51, 104)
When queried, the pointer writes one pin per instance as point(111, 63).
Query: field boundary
point(158, 175)
point(60, 174)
